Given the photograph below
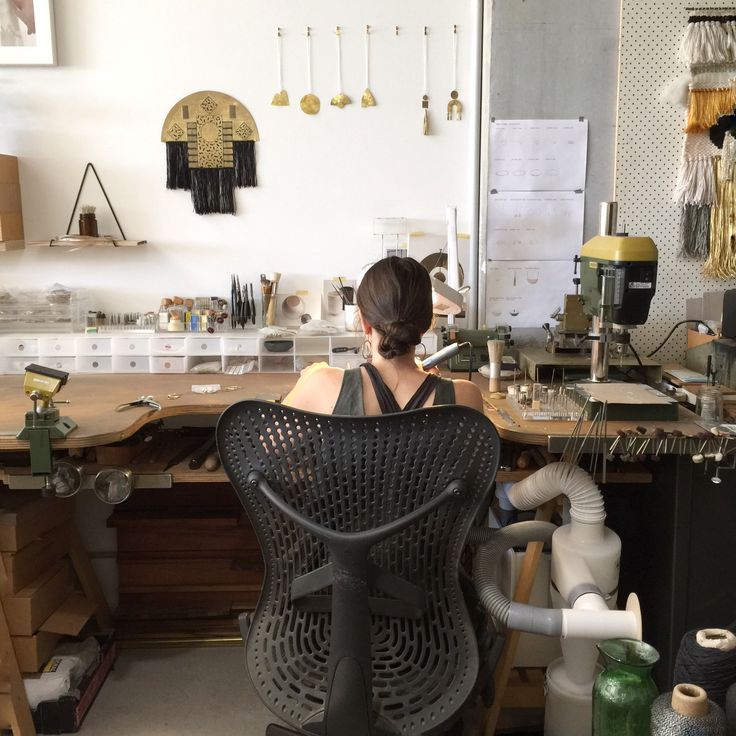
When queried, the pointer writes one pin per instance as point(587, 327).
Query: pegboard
point(650, 138)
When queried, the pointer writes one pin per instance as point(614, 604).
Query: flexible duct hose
point(480, 534)
point(485, 573)
point(586, 501)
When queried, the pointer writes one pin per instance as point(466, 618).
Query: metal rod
point(107, 199)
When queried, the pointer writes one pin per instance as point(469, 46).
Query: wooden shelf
point(85, 241)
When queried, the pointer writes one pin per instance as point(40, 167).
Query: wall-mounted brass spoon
point(367, 99)
point(281, 98)
point(340, 99)
point(310, 102)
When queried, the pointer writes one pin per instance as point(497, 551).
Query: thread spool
point(686, 711)
point(707, 658)
point(731, 710)
point(495, 356)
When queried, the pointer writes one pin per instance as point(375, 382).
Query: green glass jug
point(623, 693)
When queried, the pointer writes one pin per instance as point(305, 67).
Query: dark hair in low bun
point(395, 299)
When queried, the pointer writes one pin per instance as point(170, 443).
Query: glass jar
point(623, 693)
point(709, 403)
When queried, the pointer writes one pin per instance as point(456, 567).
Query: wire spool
point(707, 658)
point(686, 711)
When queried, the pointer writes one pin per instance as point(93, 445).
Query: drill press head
point(618, 278)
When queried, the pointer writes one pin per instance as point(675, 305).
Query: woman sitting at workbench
point(395, 303)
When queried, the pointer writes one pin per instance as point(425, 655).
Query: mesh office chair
point(362, 628)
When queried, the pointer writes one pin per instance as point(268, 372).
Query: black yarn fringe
point(212, 191)
point(245, 163)
point(177, 165)
point(711, 18)
point(695, 231)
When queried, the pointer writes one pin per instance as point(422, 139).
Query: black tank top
point(350, 399)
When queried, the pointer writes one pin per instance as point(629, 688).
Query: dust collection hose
point(586, 501)
point(485, 573)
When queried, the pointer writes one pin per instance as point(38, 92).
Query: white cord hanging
point(367, 99)
point(340, 99)
point(281, 98)
point(310, 102)
point(454, 106)
point(425, 94)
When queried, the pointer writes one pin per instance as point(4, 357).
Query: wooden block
point(30, 607)
point(71, 616)
point(25, 565)
point(11, 216)
point(246, 568)
point(226, 532)
point(32, 652)
point(26, 516)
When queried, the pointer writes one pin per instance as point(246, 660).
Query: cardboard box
point(32, 652)
point(11, 215)
point(66, 714)
point(26, 515)
point(27, 564)
point(29, 608)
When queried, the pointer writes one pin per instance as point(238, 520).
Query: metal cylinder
point(599, 352)
point(608, 218)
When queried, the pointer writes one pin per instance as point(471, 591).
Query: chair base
point(275, 730)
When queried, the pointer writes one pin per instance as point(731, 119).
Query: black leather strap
point(386, 400)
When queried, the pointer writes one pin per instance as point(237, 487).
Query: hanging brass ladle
point(340, 99)
point(310, 102)
point(367, 99)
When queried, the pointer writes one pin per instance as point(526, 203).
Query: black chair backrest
point(354, 474)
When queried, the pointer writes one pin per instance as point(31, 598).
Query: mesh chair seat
point(363, 518)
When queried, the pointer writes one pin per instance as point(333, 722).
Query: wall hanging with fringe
point(709, 49)
point(210, 149)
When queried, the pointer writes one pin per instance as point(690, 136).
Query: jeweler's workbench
point(670, 516)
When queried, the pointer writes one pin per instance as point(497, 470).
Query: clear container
point(709, 403)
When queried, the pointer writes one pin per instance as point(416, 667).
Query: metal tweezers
point(140, 401)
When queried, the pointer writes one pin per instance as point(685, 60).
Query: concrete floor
point(177, 692)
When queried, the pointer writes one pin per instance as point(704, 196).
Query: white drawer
point(18, 346)
point(57, 346)
point(346, 360)
point(130, 346)
point(240, 346)
point(203, 346)
point(93, 364)
point(131, 364)
point(13, 365)
point(168, 345)
point(93, 345)
point(166, 364)
point(59, 362)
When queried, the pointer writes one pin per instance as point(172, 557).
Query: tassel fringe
point(707, 105)
point(177, 165)
point(721, 261)
point(695, 231)
point(212, 191)
point(709, 42)
point(696, 182)
point(245, 164)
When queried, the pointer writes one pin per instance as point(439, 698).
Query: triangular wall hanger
point(87, 240)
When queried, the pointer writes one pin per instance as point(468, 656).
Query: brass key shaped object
point(454, 106)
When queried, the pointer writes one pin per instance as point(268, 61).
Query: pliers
point(140, 401)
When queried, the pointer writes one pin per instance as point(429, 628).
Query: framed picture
point(27, 32)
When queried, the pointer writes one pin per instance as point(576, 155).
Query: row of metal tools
point(639, 444)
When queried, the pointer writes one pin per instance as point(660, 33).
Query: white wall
point(322, 179)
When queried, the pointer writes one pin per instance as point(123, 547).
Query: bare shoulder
point(317, 389)
point(467, 394)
